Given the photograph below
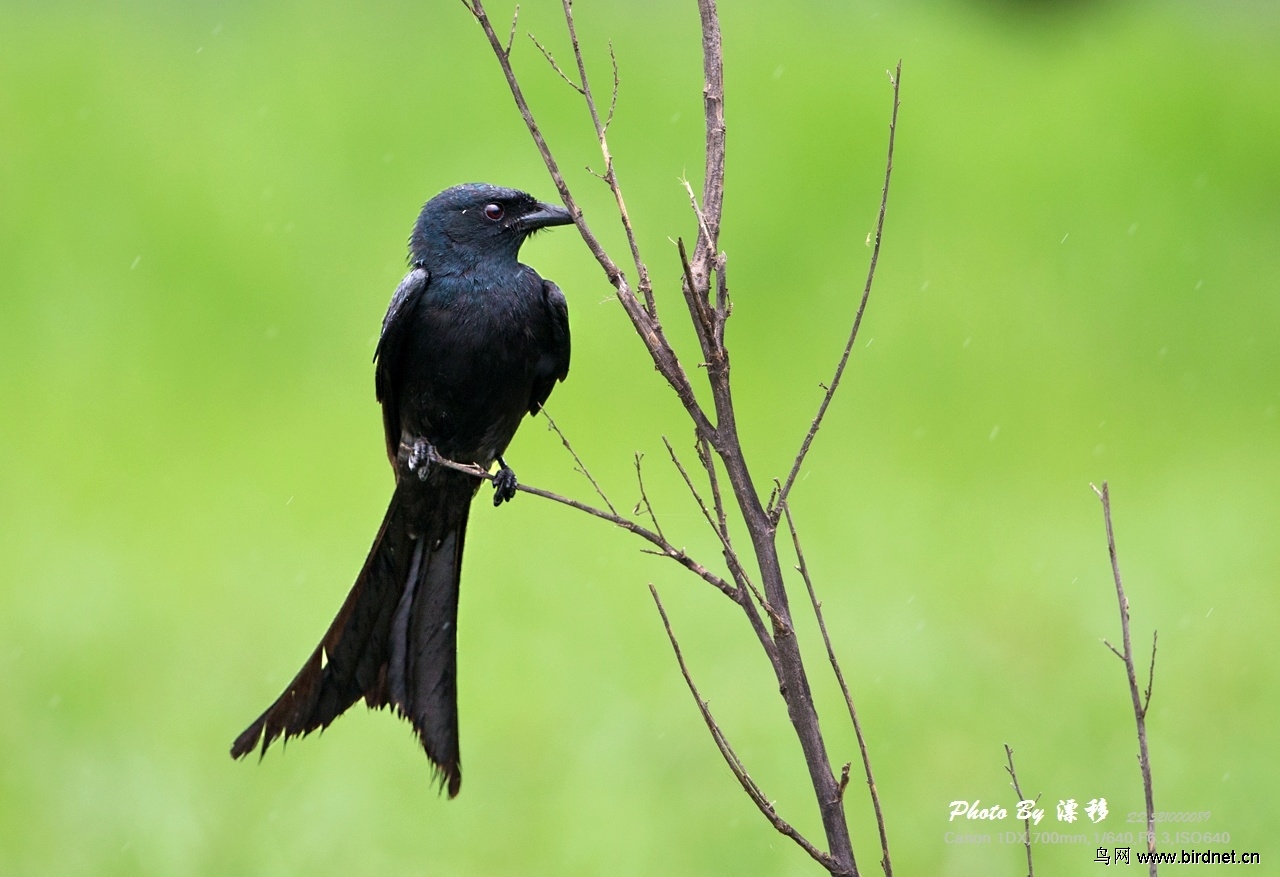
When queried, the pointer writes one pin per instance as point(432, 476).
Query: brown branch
point(834, 385)
point(731, 758)
point(1017, 790)
point(1139, 709)
point(885, 862)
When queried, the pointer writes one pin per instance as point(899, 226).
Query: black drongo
point(473, 340)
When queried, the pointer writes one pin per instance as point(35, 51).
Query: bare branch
point(885, 862)
point(1139, 708)
point(665, 548)
point(1017, 790)
point(731, 758)
point(857, 319)
point(582, 467)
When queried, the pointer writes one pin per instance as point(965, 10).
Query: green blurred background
point(203, 210)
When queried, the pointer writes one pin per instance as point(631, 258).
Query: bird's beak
point(546, 215)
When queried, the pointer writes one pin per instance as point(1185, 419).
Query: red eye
point(493, 212)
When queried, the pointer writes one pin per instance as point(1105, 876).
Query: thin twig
point(644, 498)
point(896, 81)
point(731, 557)
point(731, 758)
point(1139, 709)
point(885, 862)
point(582, 467)
point(1017, 790)
point(709, 464)
point(511, 38)
point(1151, 674)
point(713, 113)
point(546, 53)
point(665, 548)
point(613, 99)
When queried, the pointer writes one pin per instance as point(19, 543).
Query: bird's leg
point(421, 458)
point(504, 483)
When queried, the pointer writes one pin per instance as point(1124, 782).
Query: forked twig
point(1139, 708)
point(834, 385)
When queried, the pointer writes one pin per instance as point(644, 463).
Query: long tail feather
point(394, 641)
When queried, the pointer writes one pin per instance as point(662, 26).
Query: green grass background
point(202, 217)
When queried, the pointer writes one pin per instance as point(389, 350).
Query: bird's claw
point(504, 484)
point(421, 458)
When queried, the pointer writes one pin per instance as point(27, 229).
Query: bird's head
point(475, 222)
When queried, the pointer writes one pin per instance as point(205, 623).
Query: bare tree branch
point(1017, 790)
point(885, 862)
point(1139, 709)
point(731, 758)
point(721, 437)
point(896, 81)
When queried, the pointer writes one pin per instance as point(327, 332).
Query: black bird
point(473, 340)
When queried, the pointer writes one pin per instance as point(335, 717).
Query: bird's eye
point(493, 212)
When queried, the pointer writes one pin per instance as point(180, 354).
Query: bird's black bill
point(546, 215)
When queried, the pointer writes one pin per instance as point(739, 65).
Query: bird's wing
point(387, 356)
point(553, 365)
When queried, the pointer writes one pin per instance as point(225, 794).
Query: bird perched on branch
point(472, 341)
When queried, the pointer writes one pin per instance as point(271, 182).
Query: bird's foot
point(421, 458)
point(504, 483)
